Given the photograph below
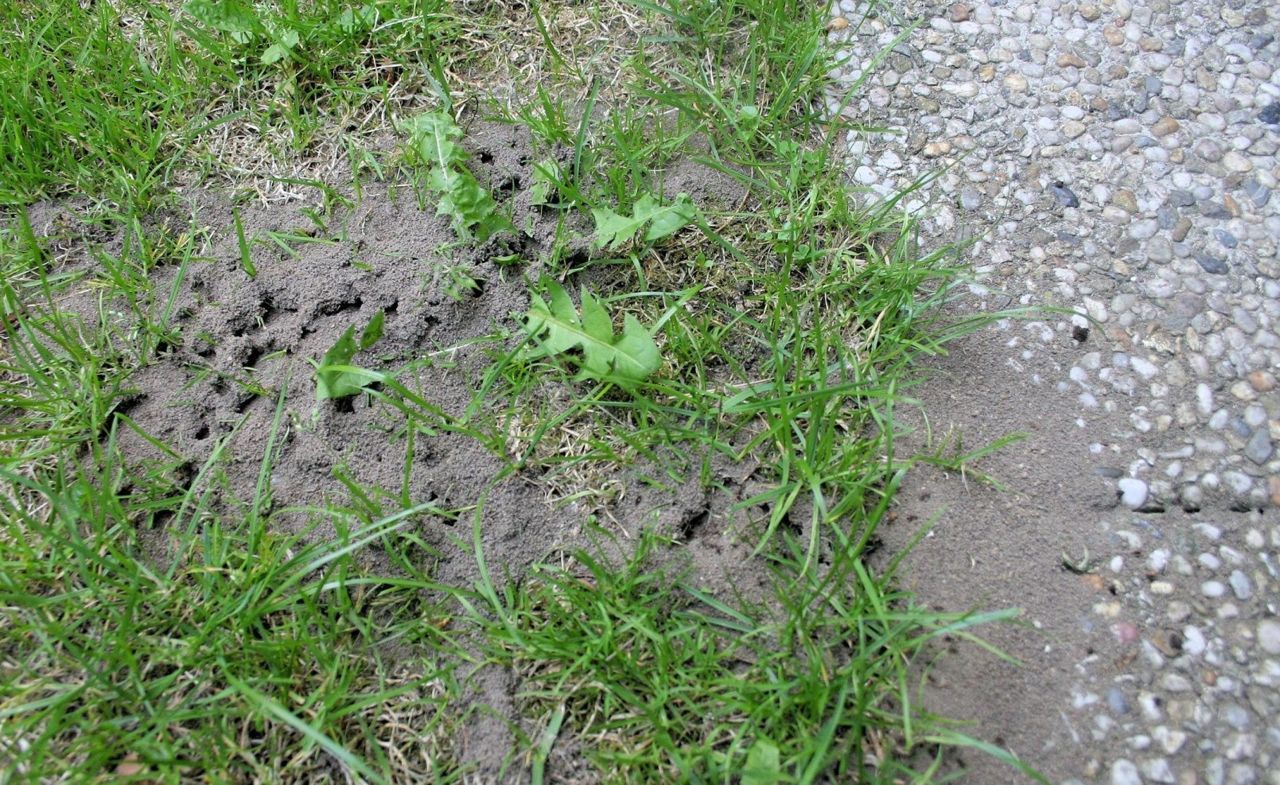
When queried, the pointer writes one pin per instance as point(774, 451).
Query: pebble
point(1240, 585)
point(1259, 448)
point(1133, 492)
point(1124, 772)
point(1065, 196)
point(1269, 636)
point(1193, 641)
point(1073, 129)
point(1165, 126)
point(1143, 230)
point(1211, 264)
point(1237, 162)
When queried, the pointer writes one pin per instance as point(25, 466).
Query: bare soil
point(241, 355)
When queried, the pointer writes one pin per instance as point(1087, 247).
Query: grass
point(156, 624)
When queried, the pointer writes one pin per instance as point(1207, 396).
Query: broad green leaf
point(666, 221)
point(274, 54)
point(335, 376)
point(433, 142)
point(372, 331)
point(229, 16)
point(281, 48)
point(556, 327)
point(614, 230)
point(764, 766)
point(352, 19)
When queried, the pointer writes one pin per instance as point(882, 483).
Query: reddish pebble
point(1125, 632)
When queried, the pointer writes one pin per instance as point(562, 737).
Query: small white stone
point(1133, 492)
point(1158, 770)
point(963, 90)
point(1158, 560)
point(890, 160)
point(1144, 368)
point(1193, 641)
point(1269, 635)
point(1170, 740)
point(1237, 162)
point(1213, 589)
point(1204, 399)
point(1240, 585)
point(1123, 772)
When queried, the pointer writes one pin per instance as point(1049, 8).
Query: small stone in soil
point(1065, 196)
point(1211, 264)
point(1133, 492)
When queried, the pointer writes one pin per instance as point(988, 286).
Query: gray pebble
point(1213, 209)
point(1269, 636)
point(1240, 585)
point(1257, 193)
point(1116, 701)
point(1211, 264)
point(1235, 715)
point(1065, 196)
point(1259, 448)
point(1144, 229)
point(1123, 772)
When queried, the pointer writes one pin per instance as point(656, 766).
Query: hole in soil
point(578, 258)
point(693, 522)
point(352, 303)
point(345, 405)
point(165, 346)
point(1079, 334)
point(254, 355)
point(485, 157)
point(126, 405)
point(507, 185)
point(271, 311)
point(202, 432)
point(244, 403)
point(332, 307)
